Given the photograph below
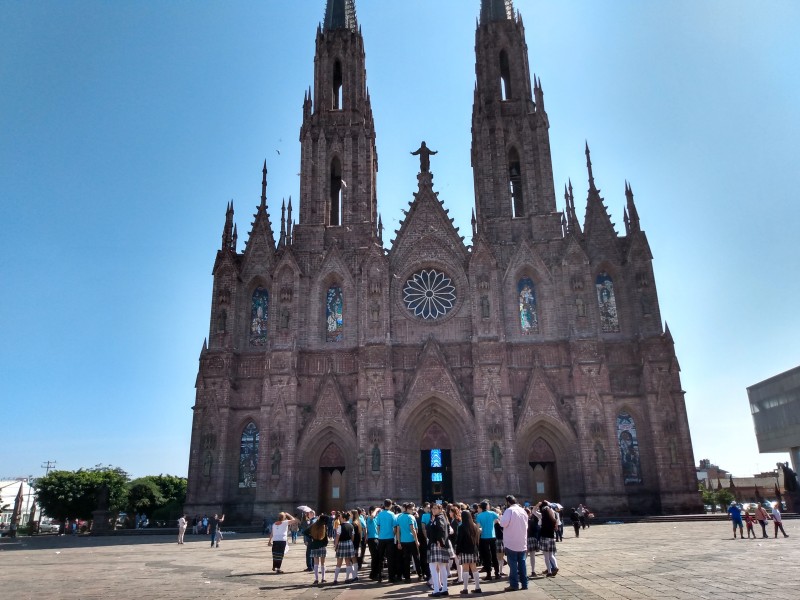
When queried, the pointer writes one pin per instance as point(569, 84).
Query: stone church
point(338, 372)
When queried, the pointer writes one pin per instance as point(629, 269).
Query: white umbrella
point(305, 509)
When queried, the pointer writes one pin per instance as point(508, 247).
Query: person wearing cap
point(736, 518)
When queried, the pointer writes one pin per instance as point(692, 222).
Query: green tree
point(161, 497)
point(173, 488)
point(709, 496)
point(144, 496)
point(73, 494)
point(724, 498)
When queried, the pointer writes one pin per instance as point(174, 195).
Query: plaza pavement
point(642, 560)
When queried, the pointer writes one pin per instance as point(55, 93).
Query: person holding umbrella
point(307, 520)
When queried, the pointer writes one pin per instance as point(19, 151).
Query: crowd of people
point(474, 542)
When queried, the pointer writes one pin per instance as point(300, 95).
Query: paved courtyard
point(666, 560)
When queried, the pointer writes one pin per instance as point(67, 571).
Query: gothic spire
point(589, 168)
point(264, 185)
point(340, 14)
point(261, 225)
point(282, 239)
point(289, 223)
point(496, 10)
point(573, 225)
point(227, 231)
point(598, 221)
point(633, 214)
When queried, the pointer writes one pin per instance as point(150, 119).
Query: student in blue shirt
point(487, 545)
point(387, 538)
point(372, 542)
point(409, 542)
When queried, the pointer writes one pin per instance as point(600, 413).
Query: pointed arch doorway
point(543, 474)
point(436, 465)
point(332, 489)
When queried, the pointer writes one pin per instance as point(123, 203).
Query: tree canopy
point(74, 494)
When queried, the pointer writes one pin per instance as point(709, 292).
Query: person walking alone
point(181, 528)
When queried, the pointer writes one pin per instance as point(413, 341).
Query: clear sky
point(126, 127)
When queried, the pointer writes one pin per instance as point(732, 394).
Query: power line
point(47, 466)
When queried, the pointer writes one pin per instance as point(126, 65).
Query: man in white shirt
point(778, 521)
point(515, 539)
point(181, 528)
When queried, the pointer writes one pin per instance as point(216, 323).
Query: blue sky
point(126, 127)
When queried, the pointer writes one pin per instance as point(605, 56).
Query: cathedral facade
point(534, 362)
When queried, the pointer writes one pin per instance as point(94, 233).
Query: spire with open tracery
point(340, 14)
point(496, 10)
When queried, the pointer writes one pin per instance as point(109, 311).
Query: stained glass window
point(436, 458)
point(609, 321)
point(436, 477)
point(429, 294)
point(528, 318)
point(248, 456)
point(629, 449)
point(334, 304)
point(258, 317)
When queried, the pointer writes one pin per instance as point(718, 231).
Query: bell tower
point(339, 161)
point(515, 196)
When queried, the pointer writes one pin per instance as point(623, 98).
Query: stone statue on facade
point(362, 463)
point(376, 458)
point(497, 457)
point(276, 462)
point(424, 154)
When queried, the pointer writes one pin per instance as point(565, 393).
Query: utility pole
point(49, 464)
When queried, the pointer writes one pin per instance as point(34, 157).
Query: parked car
point(48, 526)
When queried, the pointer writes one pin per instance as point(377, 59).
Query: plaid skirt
point(468, 558)
point(318, 552)
point(533, 544)
point(547, 545)
point(450, 550)
point(439, 554)
point(498, 543)
point(345, 549)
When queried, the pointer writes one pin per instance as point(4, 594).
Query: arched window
point(334, 323)
point(248, 456)
point(336, 193)
point(337, 85)
point(505, 76)
point(629, 449)
point(528, 317)
point(515, 183)
point(607, 302)
point(258, 317)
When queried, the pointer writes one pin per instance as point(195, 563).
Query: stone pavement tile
point(663, 561)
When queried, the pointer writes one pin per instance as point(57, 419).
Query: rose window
point(429, 294)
